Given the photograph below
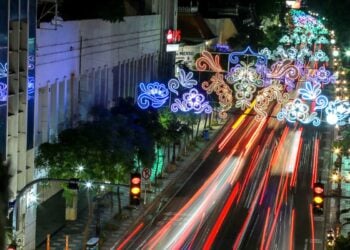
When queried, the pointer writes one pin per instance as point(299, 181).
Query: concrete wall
point(91, 62)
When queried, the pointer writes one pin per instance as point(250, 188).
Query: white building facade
point(50, 77)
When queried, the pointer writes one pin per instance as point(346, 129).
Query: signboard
point(146, 173)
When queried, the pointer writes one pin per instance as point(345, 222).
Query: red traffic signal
point(318, 197)
point(135, 189)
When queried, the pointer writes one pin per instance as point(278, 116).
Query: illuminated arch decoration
point(234, 57)
point(192, 101)
point(322, 40)
point(297, 110)
point(265, 96)
point(184, 80)
point(152, 94)
point(337, 111)
point(285, 40)
point(245, 80)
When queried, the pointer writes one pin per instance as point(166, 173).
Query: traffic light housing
point(318, 198)
point(135, 189)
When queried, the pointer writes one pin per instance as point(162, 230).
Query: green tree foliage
point(109, 10)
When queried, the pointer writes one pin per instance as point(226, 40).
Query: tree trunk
point(206, 121)
point(197, 130)
point(119, 201)
point(174, 153)
point(88, 223)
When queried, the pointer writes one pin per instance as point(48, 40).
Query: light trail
point(291, 232)
point(213, 233)
point(244, 115)
point(173, 235)
point(130, 236)
point(265, 228)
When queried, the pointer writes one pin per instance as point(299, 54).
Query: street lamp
point(347, 53)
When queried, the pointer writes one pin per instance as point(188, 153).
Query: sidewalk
point(114, 227)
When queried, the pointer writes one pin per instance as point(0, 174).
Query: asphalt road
point(252, 190)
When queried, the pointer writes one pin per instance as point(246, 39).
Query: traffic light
point(135, 189)
point(318, 198)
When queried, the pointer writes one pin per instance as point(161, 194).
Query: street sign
point(146, 173)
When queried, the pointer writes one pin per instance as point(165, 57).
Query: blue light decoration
point(184, 80)
point(3, 84)
point(192, 101)
point(234, 57)
point(337, 111)
point(319, 56)
point(153, 94)
point(313, 93)
point(222, 48)
point(297, 110)
point(324, 76)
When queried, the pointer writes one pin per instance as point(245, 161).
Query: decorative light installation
point(312, 92)
point(337, 111)
point(3, 92)
point(223, 91)
point(324, 76)
point(192, 101)
point(266, 96)
point(207, 62)
point(297, 110)
point(153, 94)
point(185, 80)
point(3, 85)
point(3, 70)
point(245, 81)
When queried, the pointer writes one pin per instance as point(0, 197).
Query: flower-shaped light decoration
point(337, 111)
point(322, 40)
point(191, 100)
point(267, 53)
point(280, 52)
point(266, 96)
point(153, 94)
point(298, 111)
point(3, 70)
point(245, 81)
point(312, 92)
point(3, 92)
point(285, 40)
point(185, 80)
point(324, 76)
point(319, 56)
